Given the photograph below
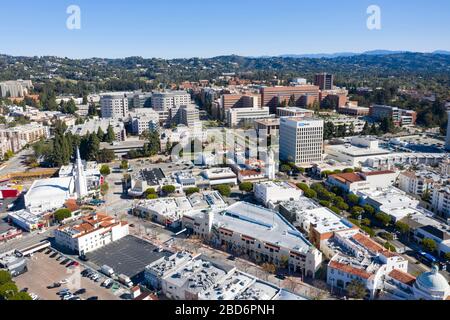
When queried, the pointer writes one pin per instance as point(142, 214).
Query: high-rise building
point(189, 115)
point(144, 120)
point(304, 95)
point(242, 116)
point(447, 140)
point(15, 89)
point(163, 101)
point(114, 106)
point(324, 81)
point(400, 117)
point(301, 140)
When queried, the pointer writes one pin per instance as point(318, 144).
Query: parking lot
point(128, 256)
point(44, 271)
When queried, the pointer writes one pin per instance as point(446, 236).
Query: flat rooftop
point(128, 256)
point(262, 224)
point(325, 220)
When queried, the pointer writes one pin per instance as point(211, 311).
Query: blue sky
point(206, 28)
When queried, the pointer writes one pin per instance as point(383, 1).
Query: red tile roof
point(402, 277)
point(349, 269)
point(347, 177)
point(375, 173)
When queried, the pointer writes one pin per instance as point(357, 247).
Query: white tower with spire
point(80, 179)
point(270, 165)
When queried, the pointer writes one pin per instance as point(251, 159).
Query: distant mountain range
point(352, 54)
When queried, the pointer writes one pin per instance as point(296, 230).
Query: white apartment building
point(241, 116)
point(114, 106)
point(357, 257)
point(357, 124)
point(440, 200)
point(95, 231)
point(269, 193)
point(301, 140)
point(262, 234)
point(417, 183)
point(163, 101)
point(294, 112)
point(189, 115)
point(144, 121)
point(15, 89)
point(92, 126)
point(20, 136)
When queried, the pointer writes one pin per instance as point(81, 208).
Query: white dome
point(433, 281)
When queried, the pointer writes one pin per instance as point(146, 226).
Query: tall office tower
point(189, 115)
point(324, 81)
point(447, 140)
point(115, 107)
point(304, 95)
point(163, 101)
point(301, 140)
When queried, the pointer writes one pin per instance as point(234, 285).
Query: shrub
point(402, 227)
point(246, 186)
point(390, 247)
point(192, 190)
point(105, 170)
point(104, 188)
point(310, 194)
point(353, 199)
point(369, 209)
point(324, 203)
point(169, 189)
point(342, 205)
point(62, 214)
point(152, 196)
point(223, 189)
point(357, 211)
point(384, 218)
point(368, 230)
point(429, 245)
point(302, 186)
point(335, 210)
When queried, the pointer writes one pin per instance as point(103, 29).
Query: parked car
point(80, 291)
point(92, 298)
point(68, 297)
point(63, 292)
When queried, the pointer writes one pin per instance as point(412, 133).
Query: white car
point(69, 296)
point(64, 281)
point(106, 282)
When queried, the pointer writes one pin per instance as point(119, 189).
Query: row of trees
point(151, 148)
point(60, 150)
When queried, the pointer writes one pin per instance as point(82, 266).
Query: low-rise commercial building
point(269, 193)
point(261, 234)
point(359, 181)
point(93, 232)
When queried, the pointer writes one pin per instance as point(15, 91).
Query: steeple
point(80, 178)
